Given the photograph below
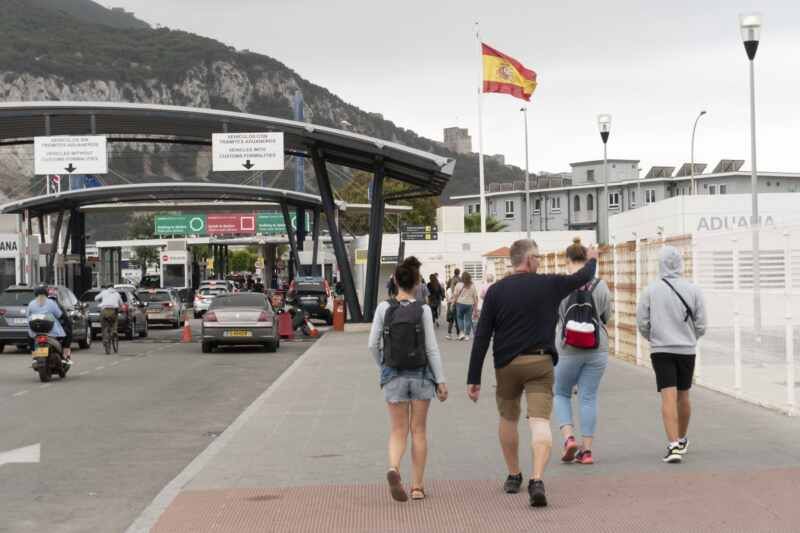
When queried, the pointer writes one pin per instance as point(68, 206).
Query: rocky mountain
point(79, 50)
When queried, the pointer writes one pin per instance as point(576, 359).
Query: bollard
point(339, 314)
point(737, 329)
point(787, 282)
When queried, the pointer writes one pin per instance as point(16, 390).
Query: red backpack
point(581, 323)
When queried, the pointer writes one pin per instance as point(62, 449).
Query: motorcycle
point(48, 358)
point(300, 318)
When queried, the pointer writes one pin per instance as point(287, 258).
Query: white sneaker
point(461, 337)
point(466, 338)
point(449, 337)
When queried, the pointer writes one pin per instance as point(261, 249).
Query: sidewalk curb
point(148, 518)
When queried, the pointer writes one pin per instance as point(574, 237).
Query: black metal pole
point(51, 257)
point(328, 204)
point(291, 235)
point(376, 215)
point(315, 253)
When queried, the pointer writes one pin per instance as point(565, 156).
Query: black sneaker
point(673, 455)
point(513, 484)
point(536, 493)
point(683, 446)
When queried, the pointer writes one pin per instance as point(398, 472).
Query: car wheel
point(86, 343)
point(271, 346)
point(2, 347)
point(329, 318)
point(206, 347)
point(131, 330)
point(144, 331)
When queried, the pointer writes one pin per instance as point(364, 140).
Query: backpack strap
point(389, 316)
point(689, 313)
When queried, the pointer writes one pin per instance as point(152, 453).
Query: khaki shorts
point(531, 374)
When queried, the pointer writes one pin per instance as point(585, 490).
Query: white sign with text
point(240, 152)
point(70, 154)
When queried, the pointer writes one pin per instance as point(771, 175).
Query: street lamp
point(604, 126)
point(691, 187)
point(750, 25)
point(527, 209)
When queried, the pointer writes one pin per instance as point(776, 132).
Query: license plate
point(238, 333)
point(95, 324)
point(19, 321)
point(153, 312)
point(42, 351)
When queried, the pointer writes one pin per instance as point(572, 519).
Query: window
point(590, 175)
point(470, 209)
point(555, 204)
point(649, 196)
point(613, 200)
point(632, 197)
point(723, 189)
point(537, 206)
point(712, 189)
point(577, 203)
point(590, 203)
point(475, 269)
point(509, 208)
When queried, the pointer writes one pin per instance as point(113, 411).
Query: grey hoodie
point(660, 314)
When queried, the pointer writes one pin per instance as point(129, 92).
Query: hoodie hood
point(670, 262)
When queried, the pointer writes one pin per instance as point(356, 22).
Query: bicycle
point(110, 334)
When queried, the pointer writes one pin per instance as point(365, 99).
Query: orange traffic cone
point(186, 335)
point(312, 329)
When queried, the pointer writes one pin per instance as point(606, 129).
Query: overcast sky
point(652, 64)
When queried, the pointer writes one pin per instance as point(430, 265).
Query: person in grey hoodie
point(671, 315)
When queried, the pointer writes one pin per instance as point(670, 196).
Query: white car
point(203, 298)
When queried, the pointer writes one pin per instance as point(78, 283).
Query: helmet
point(41, 290)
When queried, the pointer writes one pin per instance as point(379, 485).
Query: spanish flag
point(504, 74)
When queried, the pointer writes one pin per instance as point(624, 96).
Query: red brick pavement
point(767, 501)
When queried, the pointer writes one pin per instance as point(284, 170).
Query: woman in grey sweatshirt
point(671, 315)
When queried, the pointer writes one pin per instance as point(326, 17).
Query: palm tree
point(472, 224)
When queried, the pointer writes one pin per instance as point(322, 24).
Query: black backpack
point(404, 336)
point(581, 323)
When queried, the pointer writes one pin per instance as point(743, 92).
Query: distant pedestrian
point(672, 315)
point(451, 314)
point(436, 297)
point(486, 284)
point(519, 317)
point(391, 287)
point(455, 280)
point(465, 297)
point(582, 342)
point(403, 343)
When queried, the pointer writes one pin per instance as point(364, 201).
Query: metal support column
point(269, 264)
point(42, 240)
point(51, 257)
point(78, 237)
point(376, 214)
point(292, 241)
point(328, 204)
point(315, 237)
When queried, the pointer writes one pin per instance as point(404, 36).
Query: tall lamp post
point(527, 209)
point(750, 25)
point(604, 125)
point(691, 186)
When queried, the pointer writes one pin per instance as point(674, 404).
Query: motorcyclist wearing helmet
point(42, 305)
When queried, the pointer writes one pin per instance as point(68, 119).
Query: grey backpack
point(404, 336)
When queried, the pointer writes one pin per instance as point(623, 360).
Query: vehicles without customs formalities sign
point(69, 154)
point(240, 152)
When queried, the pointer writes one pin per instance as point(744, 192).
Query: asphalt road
point(119, 427)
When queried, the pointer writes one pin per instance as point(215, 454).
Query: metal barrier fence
point(739, 355)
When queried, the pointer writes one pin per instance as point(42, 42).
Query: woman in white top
point(465, 296)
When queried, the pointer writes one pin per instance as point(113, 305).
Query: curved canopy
point(21, 121)
point(150, 192)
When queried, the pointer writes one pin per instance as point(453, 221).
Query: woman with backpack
point(403, 343)
point(465, 298)
point(583, 348)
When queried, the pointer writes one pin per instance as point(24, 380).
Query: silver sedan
point(240, 319)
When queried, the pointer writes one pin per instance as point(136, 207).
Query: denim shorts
point(403, 388)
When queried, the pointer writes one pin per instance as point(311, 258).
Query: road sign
point(231, 224)
point(240, 152)
point(419, 232)
point(361, 256)
point(210, 263)
point(259, 262)
point(68, 154)
point(180, 225)
point(271, 223)
point(389, 260)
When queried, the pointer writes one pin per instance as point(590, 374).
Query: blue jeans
point(464, 318)
point(585, 371)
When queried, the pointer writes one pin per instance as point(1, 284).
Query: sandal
point(418, 494)
point(396, 485)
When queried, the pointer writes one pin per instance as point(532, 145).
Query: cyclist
point(110, 302)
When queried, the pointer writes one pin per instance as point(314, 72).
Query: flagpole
point(480, 130)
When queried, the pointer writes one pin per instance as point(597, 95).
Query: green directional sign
point(267, 223)
point(271, 223)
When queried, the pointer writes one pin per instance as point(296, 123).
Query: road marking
point(115, 363)
point(100, 368)
point(26, 454)
point(20, 393)
point(45, 385)
point(83, 373)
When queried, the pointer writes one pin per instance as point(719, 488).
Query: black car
point(132, 318)
point(312, 293)
point(14, 315)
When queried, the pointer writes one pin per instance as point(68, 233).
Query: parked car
point(161, 306)
point(240, 319)
point(132, 317)
point(14, 315)
point(203, 298)
point(312, 293)
point(228, 284)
